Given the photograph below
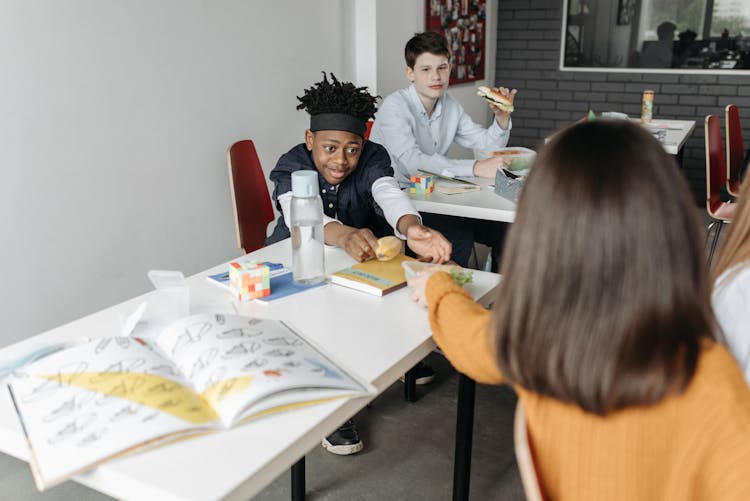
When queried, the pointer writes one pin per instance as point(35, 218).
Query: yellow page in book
point(375, 277)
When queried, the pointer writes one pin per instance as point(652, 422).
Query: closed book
point(374, 277)
point(452, 188)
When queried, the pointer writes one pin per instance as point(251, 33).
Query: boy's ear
point(410, 74)
point(309, 137)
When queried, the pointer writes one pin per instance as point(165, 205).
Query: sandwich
point(495, 98)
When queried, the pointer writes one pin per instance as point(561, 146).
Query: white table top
point(478, 204)
point(378, 338)
point(677, 132)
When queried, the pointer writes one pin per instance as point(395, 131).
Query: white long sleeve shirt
point(417, 141)
point(731, 303)
point(391, 199)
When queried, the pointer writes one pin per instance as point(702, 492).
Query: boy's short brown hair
point(429, 41)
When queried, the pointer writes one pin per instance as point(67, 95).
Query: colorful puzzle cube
point(249, 280)
point(422, 184)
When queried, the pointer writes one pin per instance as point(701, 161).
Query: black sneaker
point(344, 441)
point(423, 374)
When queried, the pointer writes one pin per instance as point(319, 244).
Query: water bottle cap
point(304, 183)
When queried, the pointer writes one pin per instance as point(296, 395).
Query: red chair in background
point(369, 128)
point(736, 156)
point(716, 175)
point(250, 199)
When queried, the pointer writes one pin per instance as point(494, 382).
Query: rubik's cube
point(421, 185)
point(249, 280)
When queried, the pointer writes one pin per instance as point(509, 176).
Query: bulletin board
point(463, 24)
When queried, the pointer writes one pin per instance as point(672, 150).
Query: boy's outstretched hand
point(429, 243)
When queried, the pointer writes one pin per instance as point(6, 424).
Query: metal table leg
point(410, 386)
point(464, 434)
point(298, 480)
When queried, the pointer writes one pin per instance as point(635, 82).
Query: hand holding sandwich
point(500, 101)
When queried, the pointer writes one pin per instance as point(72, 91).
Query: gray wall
point(528, 53)
point(114, 122)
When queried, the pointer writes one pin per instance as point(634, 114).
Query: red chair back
point(369, 128)
point(252, 203)
point(716, 173)
point(735, 149)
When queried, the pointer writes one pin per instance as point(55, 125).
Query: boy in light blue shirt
point(418, 124)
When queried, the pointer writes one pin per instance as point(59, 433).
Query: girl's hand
point(418, 285)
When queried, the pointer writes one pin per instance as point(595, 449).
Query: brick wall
point(528, 55)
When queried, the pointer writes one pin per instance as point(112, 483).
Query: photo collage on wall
point(463, 23)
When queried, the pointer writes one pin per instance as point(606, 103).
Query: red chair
point(716, 175)
point(735, 149)
point(369, 128)
point(250, 199)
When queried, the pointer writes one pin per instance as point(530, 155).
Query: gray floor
point(408, 452)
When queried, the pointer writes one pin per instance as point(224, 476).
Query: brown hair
point(736, 249)
point(429, 41)
point(604, 298)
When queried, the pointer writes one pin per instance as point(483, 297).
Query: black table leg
point(464, 434)
point(410, 386)
point(679, 156)
point(298, 480)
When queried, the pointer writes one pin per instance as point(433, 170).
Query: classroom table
point(672, 134)
point(478, 204)
point(377, 338)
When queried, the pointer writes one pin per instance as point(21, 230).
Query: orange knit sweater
point(695, 445)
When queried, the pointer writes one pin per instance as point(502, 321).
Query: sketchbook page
point(236, 361)
point(91, 402)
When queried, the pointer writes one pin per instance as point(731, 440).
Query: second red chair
point(719, 210)
point(736, 156)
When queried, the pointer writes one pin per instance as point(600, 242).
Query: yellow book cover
point(374, 277)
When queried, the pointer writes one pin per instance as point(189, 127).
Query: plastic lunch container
point(520, 158)
point(412, 268)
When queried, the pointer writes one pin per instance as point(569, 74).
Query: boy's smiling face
point(335, 153)
point(430, 75)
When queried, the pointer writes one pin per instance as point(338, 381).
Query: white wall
point(114, 122)
point(115, 118)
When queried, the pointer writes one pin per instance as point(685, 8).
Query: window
point(657, 34)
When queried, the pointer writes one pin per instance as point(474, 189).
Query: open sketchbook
point(94, 401)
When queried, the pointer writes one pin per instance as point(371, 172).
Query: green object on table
point(590, 116)
point(462, 276)
point(520, 163)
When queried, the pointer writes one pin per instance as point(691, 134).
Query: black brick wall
point(528, 55)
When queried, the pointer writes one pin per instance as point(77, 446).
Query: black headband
point(338, 121)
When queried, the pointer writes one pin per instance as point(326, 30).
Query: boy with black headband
point(361, 199)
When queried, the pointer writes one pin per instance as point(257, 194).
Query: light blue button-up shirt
point(417, 141)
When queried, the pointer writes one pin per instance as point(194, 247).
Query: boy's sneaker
point(423, 374)
point(344, 441)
